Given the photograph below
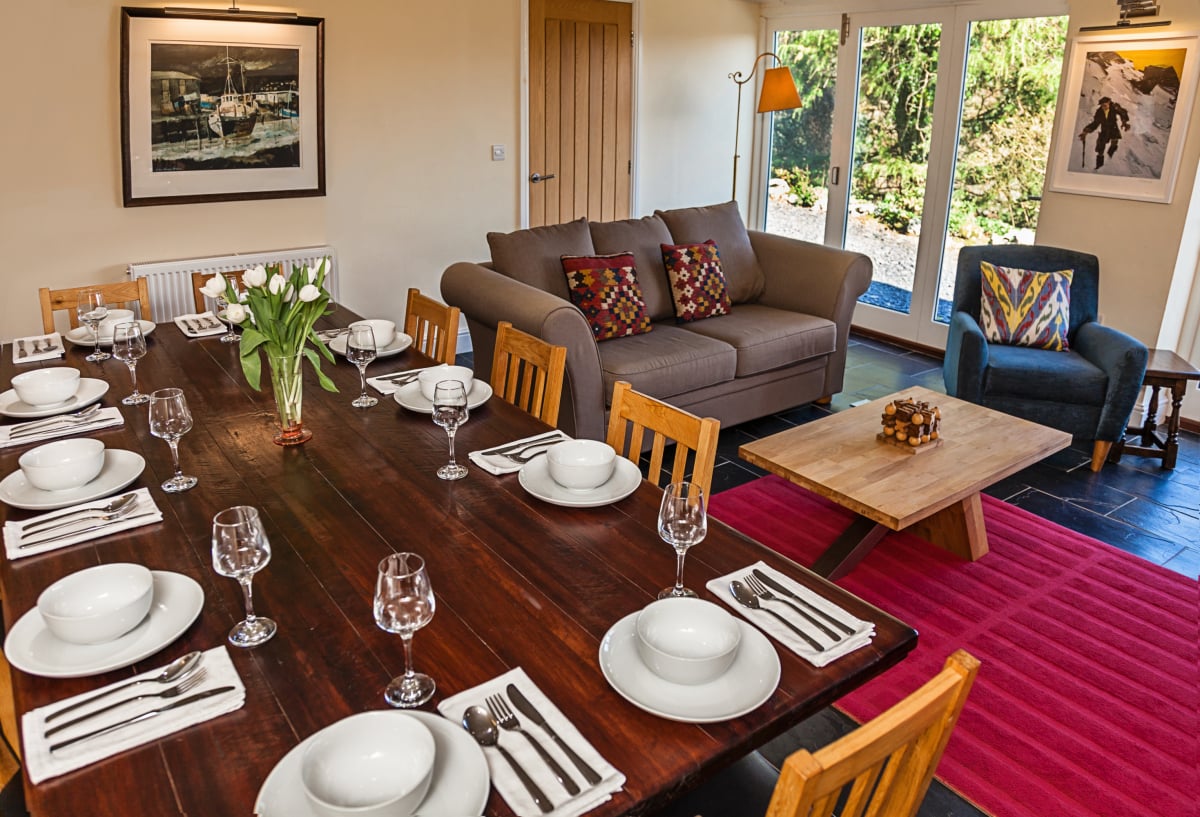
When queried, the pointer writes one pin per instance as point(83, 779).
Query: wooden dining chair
point(432, 326)
point(125, 293)
point(199, 279)
point(633, 414)
point(528, 372)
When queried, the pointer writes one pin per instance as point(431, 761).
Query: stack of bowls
point(687, 641)
point(97, 605)
point(581, 465)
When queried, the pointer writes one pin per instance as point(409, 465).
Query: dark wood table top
point(519, 583)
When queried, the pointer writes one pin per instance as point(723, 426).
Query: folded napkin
point(145, 512)
point(42, 764)
point(50, 346)
point(498, 464)
point(391, 382)
point(104, 418)
point(503, 777)
point(864, 631)
point(201, 319)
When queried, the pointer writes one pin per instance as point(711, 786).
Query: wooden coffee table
point(934, 493)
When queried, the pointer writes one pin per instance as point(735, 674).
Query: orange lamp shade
point(778, 91)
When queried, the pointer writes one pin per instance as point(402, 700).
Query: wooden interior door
point(580, 110)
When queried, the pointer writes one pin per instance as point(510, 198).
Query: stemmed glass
point(450, 411)
point(681, 523)
point(129, 346)
point(240, 549)
point(361, 350)
point(170, 419)
point(404, 603)
point(223, 303)
point(91, 309)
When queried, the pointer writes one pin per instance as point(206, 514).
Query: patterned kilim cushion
point(605, 289)
point(1026, 308)
point(697, 282)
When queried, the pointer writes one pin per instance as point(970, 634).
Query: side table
point(1163, 370)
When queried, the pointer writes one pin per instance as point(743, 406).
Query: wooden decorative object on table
point(911, 425)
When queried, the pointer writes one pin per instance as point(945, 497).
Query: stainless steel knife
point(530, 711)
point(778, 587)
point(37, 539)
point(191, 699)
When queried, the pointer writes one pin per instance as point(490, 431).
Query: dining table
point(518, 582)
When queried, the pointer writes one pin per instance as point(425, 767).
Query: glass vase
point(287, 379)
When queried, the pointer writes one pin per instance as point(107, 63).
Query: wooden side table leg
point(1171, 449)
point(958, 528)
point(1150, 423)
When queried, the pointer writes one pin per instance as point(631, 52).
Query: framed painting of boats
point(220, 109)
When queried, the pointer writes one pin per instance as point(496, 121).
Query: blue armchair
point(1088, 390)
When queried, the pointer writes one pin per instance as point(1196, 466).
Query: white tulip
point(312, 274)
point(214, 287)
point(235, 313)
point(309, 293)
point(290, 294)
point(256, 276)
point(277, 284)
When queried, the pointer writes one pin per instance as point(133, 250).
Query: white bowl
point(384, 331)
point(114, 317)
point(687, 641)
point(45, 387)
point(436, 374)
point(581, 465)
point(374, 764)
point(63, 464)
point(98, 604)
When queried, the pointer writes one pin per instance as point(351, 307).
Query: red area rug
point(1087, 701)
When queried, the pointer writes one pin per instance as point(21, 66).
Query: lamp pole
point(778, 94)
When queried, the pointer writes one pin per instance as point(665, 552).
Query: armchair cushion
point(723, 224)
point(534, 256)
point(1025, 308)
point(697, 282)
point(1023, 372)
point(605, 288)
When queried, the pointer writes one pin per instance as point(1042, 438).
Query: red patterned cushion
point(697, 283)
point(605, 289)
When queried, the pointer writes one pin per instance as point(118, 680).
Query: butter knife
point(530, 711)
point(199, 696)
point(778, 587)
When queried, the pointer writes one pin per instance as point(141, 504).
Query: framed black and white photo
point(1124, 116)
point(220, 110)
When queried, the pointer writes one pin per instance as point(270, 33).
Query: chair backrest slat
point(432, 326)
point(64, 300)
point(528, 372)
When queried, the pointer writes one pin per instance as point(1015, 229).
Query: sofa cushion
point(643, 237)
point(723, 224)
point(666, 362)
point(767, 338)
point(697, 284)
point(1036, 374)
point(605, 288)
point(534, 256)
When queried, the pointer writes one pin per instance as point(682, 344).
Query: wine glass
point(450, 411)
point(223, 303)
point(361, 350)
point(170, 419)
point(129, 346)
point(91, 309)
point(681, 524)
point(240, 549)
point(404, 603)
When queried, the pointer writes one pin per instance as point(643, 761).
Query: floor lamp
point(778, 94)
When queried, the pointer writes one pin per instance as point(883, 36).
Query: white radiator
point(170, 282)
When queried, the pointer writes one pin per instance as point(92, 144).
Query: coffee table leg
point(849, 549)
point(958, 528)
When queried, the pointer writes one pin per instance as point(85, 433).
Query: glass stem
point(408, 662)
point(249, 596)
point(96, 339)
point(133, 375)
point(450, 434)
point(679, 556)
point(362, 378)
point(175, 456)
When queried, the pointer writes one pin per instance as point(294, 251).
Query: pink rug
point(1087, 701)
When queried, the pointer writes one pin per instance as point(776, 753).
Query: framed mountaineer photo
point(220, 110)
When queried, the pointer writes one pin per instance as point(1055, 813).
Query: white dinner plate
point(120, 468)
point(82, 336)
point(749, 681)
point(398, 345)
point(409, 396)
point(32, 648)
point(535, 478)
point(459, 787)
point(90, 390)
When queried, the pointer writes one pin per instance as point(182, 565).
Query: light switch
point(497, 153)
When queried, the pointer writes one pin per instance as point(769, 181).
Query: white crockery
point(384, 331)
point(428, 378)
point(114, 317)
point(373, 764)
point(63, 464)
point(98, 604)
point(46, 387)
point(581, 465)
point(686, 640)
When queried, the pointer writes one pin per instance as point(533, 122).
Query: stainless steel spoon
point(118, 505)
point(177, 670)
point(73, 418)
point(745, 597)
point(479, 722)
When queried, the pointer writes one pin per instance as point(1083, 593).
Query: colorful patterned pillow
point(697, 282)
point(1026, 308)
point(605, 289)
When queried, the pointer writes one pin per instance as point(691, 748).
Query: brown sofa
point(782, 345)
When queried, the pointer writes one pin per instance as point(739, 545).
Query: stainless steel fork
point(759, 589)
point(520, 457)
point(508, 721)
point(175, 691)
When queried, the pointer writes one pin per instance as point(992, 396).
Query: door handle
point(835, 176)
point(538, 177)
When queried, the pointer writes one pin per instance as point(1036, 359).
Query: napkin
point(864, 631)
point(41, 764)
point(145, 512)
point(201, 318)
point(503, 777)
point(498, 464)
point(53, 341)
point(104, 418)
point(391, 382)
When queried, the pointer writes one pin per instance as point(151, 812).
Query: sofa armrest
point(966, 359)
point(1123, 359)
point(487, 297)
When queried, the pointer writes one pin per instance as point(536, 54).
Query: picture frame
point(220, 109)
point(1123, 115)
